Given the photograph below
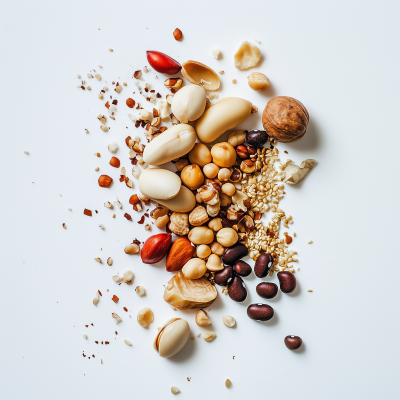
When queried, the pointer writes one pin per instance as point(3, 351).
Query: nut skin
point(287, 281)
point(293, 342)
point(181, 252)
point(163, 63)
point(267, 290)
point(242, 268)
point(234, 254)
point(247, 166)
point(237, 290)
point(224, 277)
point(256, 138)
point(105, 181)
point(285, 119)
point(155, 248)
point(242, 152)
point(263, 265)
point(260, 312)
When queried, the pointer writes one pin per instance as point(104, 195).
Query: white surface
point(340, 59)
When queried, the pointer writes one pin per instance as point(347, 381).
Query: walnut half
point(179, 223)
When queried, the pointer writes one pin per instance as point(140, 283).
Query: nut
point(228, 321)
point(229, 189)
point(182, 163)
point(267, 290)
point(192, 176)
point(239, 198)
point(200, 74)
point(173, 83)
point(136, 203)
point(247, 166)
point(127, 277)
point(285, 119)
point(105, 181)
point(263, 265)
point(217, 248)
point(112, 147)
point(258, 81)
point(171, 338)
point(208, 336)
point(210, 170)
point(179, 223)
point(162, 221)
point(183, 293)
point(247, 56)
point(214, 263)
point(140, 291)
point(216, 53)
point(223, 154)
point(132, 249)
point(177, 34)
point(215, 224)
point(293, 342)
point(208, 194)
point(256, 138)
point(227, 237)
point(228, 383)
point(203, 251)
point(158, 212)
point(236, 175)
point(117, 318)
point(242, 151)
point(245, 224)
point(175, 390)
point(213, 210)
point(260, 312)
point(201, 235)
point(109, 261)
point(233, 212)
point(198, 216)
point(155, 248)
point(236, 137)
point(225, 200)
point(200, 155)
point(287, 281)
point(96, 299)
point(224, 174)
point(202, 319)
point(294, 174)
point(130, 102)
point(145, 317)
point(181, 252)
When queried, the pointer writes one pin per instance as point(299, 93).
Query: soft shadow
point(218, 303)
point(269, 93)
point(301, 350)
point(312, 140)
point(187, 352)
point(296, 291)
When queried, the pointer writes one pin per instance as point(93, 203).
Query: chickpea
point(210, 170)
point(229, 189)
point(215, 224)
point(224, 174)
point(203, 251)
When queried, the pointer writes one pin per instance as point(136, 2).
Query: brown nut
point(114, 162)
point(260, 312)
point(179, 223)
point(217, 248)
point(202, 319)
point(267, 290)
point(258, 81)
point(210, 170)
point(177, 34)
point(293, 342)
point(198, 216)
point(203, 251)
point(201, 235)
point(192, 176)
point(195, 268)
point(224, 277)
point(285, 119)
point(224, 174)
point(287, 281)
point(215, 224)
point(224, 155)
point(236, 175)
point(237, 290)
point(236, 137)
point(229, 189)
point(162, 221)
point(242, 268)
point(242, 151)
point(263, 265)
point(200, 155)
point(247, 166)
point(173, 83)
point(180, 253)
point(158, 212)
point(234, 254)
point(105, 181)
point(132, 248)
point(227, 237)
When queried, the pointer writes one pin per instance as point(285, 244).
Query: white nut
point(214, 263)
point(208, 336)
point(127, 342)
point(195, 268)
point(175, 390)
point(140, 291)
point(127, 276)
point(228, 321)
point(202, 318)
point(117, 279)
point(145, 317)
point(216, 53)
point(247, 56)
point(112, 147)
point(203, 251)
point(116, 317)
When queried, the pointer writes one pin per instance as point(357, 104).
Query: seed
point(221, 72)
point(228, 383)
point(234, 81)
point(310, 242)
point(110, 50)
point(98, 260)
point(140, 291)
point(85, 336)
point(127, 342)
point(309, 290)
point(97, 168)
point(175, 390)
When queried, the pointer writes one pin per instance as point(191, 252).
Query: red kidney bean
point(267, 290)
point(287, 281)
point(237, 290)
point(234, 254)
point(263, 265)
point(293, 342)
point(260, 312)
point(224, 277)
point(242, 268)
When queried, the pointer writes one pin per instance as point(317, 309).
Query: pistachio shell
point(172, 337)
point(200, 74)
point(184, 201)
point(158, 183)
point(227, 114)
point(171, 144)
point(189, 104)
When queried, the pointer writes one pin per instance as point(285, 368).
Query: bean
point(234, 254)
point(224, 277)
point(287, 281)
point(263, 265)
point(237, 290)
point(267, 290)
point(293, 342)
point(242, 268)
point(260, 312)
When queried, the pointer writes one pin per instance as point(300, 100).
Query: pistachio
point(172, 337)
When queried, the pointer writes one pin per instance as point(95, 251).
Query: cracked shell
point(200, 74)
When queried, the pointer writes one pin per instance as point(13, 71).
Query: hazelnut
point(217, 248)
point(200, 155)
point(182, 163)
point(229, 189)
point(236, 175)
point(224, 155)
point(215, 224)
point(202, 318)
point(214, 263)
point(242, 151)
point(224, 174)
point(194, 268)
point(203, 251)
point(210, 170)
point(201, 235)
point(227, 237)
point(236, 137)
point(247, 166)
point(258, 81)
point(192, 176)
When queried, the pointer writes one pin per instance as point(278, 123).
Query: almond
point(114, 162)
point(181, 252)
point(105, 181)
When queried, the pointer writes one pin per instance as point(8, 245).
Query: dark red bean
point(237, 290)
point(267, 290)
point(287, 281)
point(260, 312)
point(257, 138)
point(263, 265)
point(293, 342)
point(242, 268)
point(234, 254)
point(224, 277)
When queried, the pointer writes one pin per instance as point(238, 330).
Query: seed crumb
point(228, 383)
point(26, 152)
point(294, 234)
point(85, 336)
point(175, 390)
point(221, 72)
point(69, 209)
point(310, 242)
point(127, 342)
point(97, 168)
point(309, 290)
point(234, 80)
point(110, 50)
point(113, 216)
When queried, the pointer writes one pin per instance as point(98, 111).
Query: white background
point(340, 59)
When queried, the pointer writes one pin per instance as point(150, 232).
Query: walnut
point(198, 216)
point(208, 194)
point(215, 182)
point(179, 223)
point(245, 224)
point(232, 212)
point(213, 210)
point(285, 119)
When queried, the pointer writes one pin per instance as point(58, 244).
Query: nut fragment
point(116, 278)
point(208, 336)
point(236, 137)
point(228, 383)
point(127, 276)
point(96, 299)
point(145, 317)
point(173, 83)
point(105, 181)
point(112, 147)
point(162, 221)
point(179, 223)
point(177, 34)
point(216, 53)
point(247, 166)
point(258, 81)
point(109, 261)
point(127, 342)
point(294, 174)
point(132, 248)
point(247, 56)
point(175, 390)
point(117, 318)
point(140, 291)
point(217, 248)
point(202, 318)
point(228, 321)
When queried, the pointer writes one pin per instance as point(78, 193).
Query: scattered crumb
point(309, 290)
point(310, 242)
point(110, 50)
point(64, 226)
point(97, 168)
point(127, 342)
point(234, 81)
point(221, 72)
point(228, 383)
point(26, 152)
point(85, 336)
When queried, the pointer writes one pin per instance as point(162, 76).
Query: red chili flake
point(137, 124)
point(93, 356)
point(101, 342)
point(100, 293)
point(288, 239)
point(115, 102)
point(107, 342)
point(84, 355)
point(116, 332)
point(158, 95)
point(125, 309)
point(146, 215)
point(107, 104)
point(286, 152)
point(87, 212)
point(143, 123)
point(135, 241)
point(115, 299)
point(96, 342)
point(87, 326)
point(96, 211)
point(141, 220)
point(122, 178)
point(83, 87)
point(128, 217)
point(92, 324)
